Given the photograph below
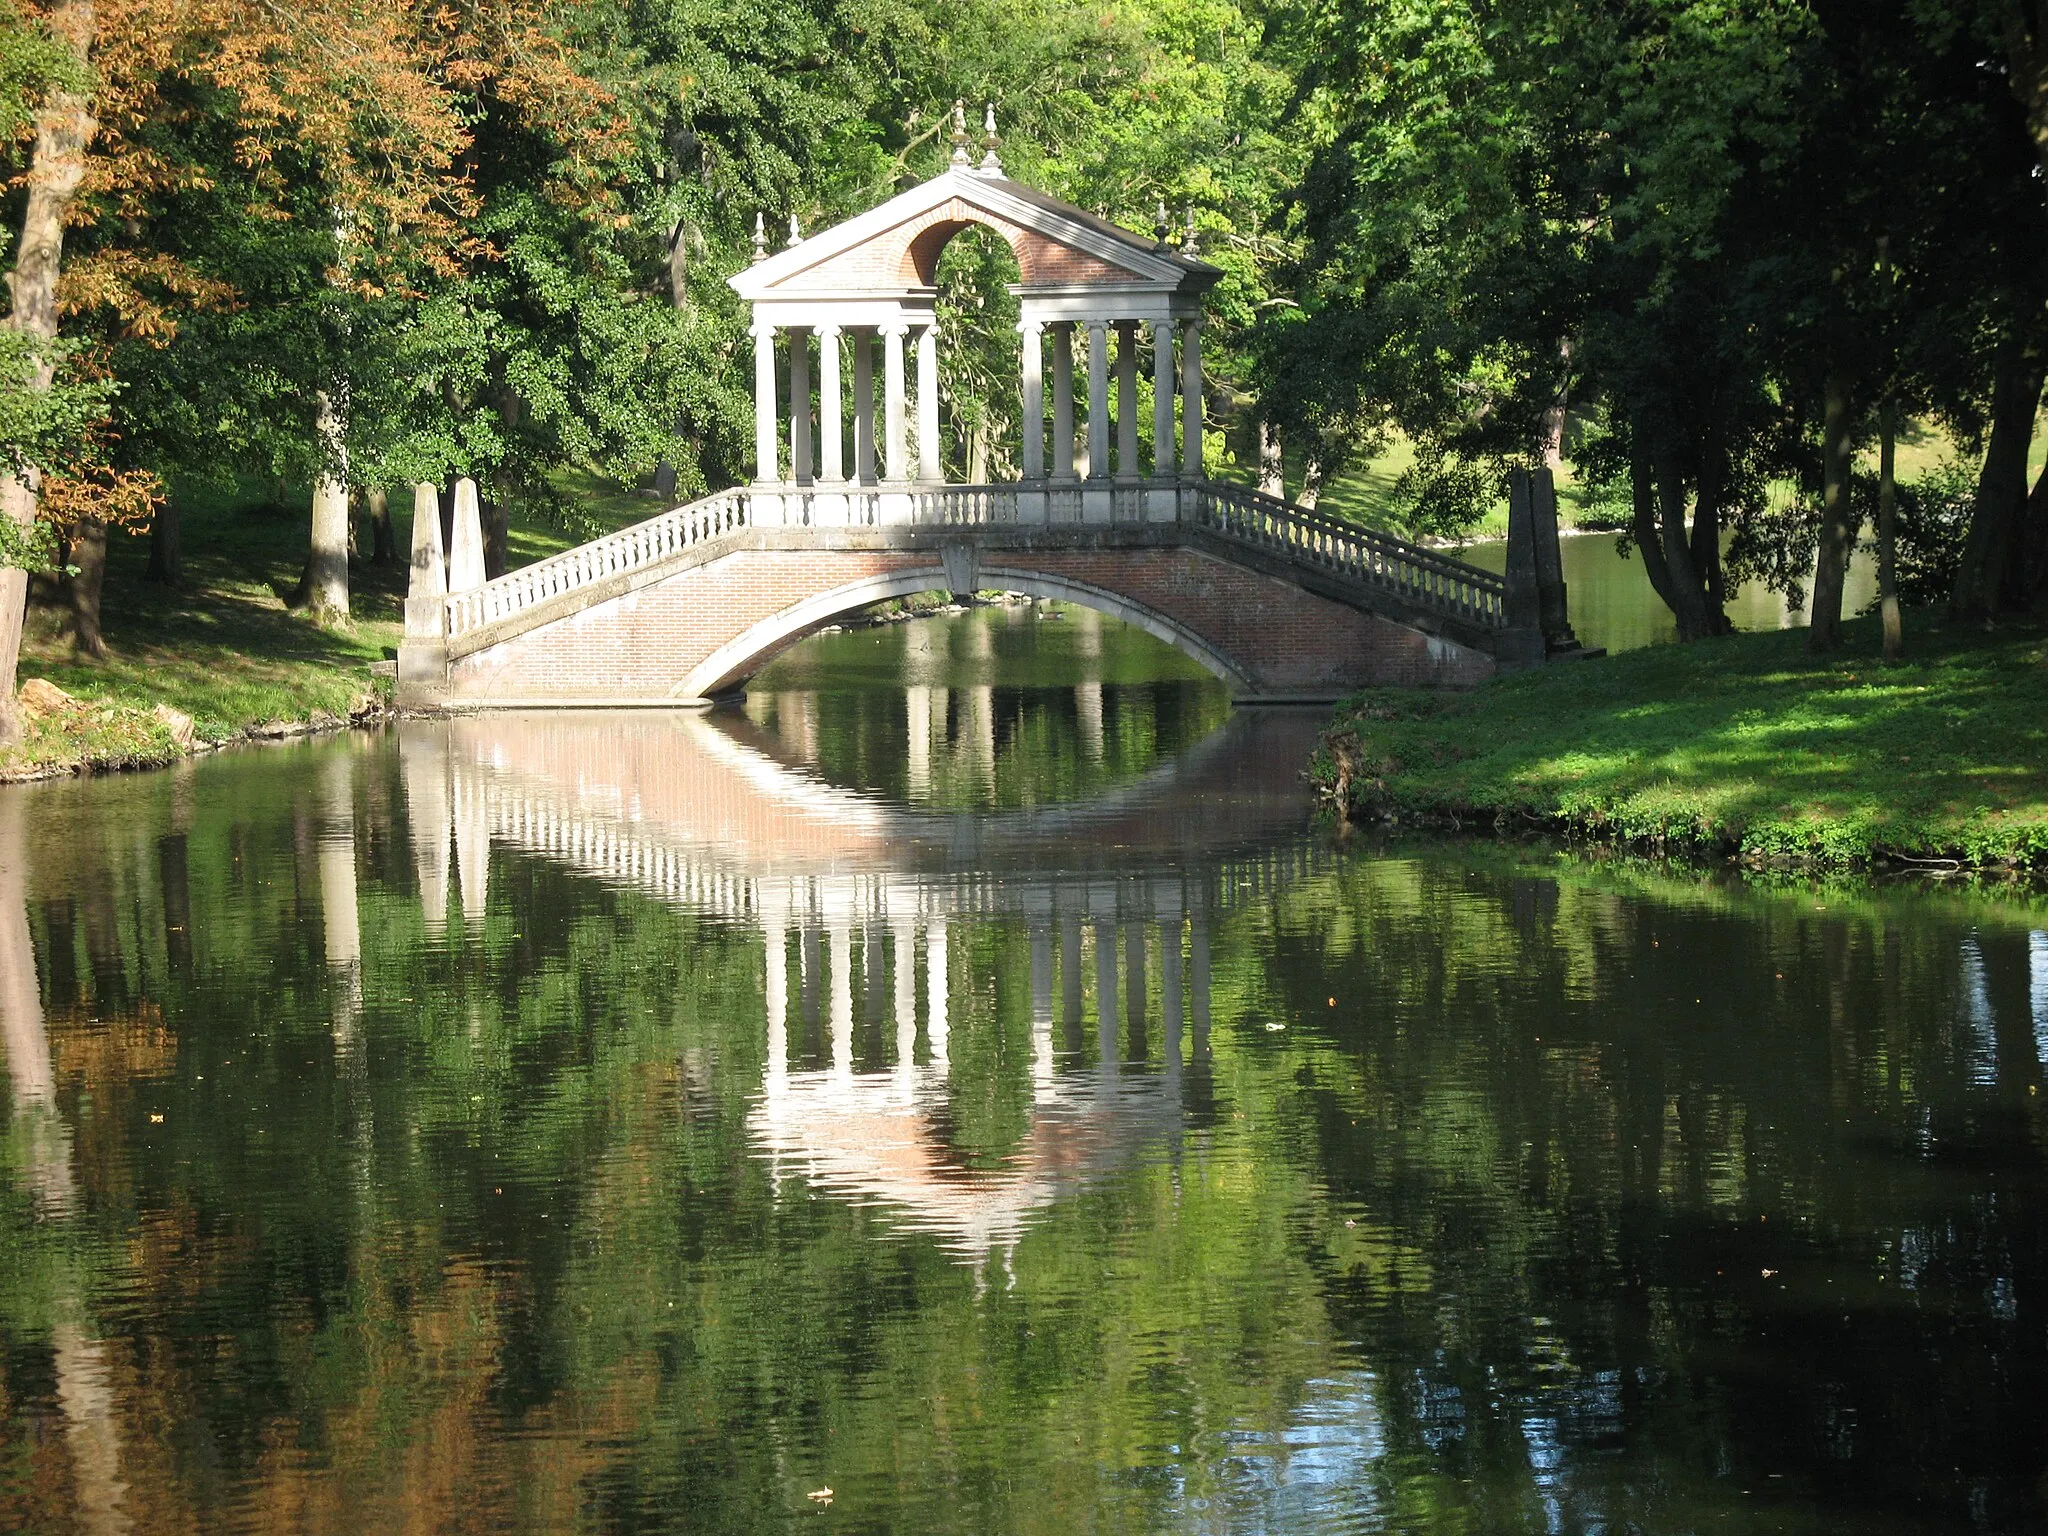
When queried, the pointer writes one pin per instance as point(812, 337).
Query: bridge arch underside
point(707, 628)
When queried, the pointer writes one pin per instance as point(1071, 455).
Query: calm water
point(999, 1106)
point(1613, 605)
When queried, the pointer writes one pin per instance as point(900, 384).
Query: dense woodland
point(1712, 252)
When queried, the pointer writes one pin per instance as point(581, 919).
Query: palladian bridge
point(849, 504)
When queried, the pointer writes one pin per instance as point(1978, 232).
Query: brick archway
point(753, 648)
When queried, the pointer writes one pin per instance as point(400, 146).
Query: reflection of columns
point(1041, 1005)
point(341, 927)
point(1032, 460)
point(864, 405)
point(1191, 399)
point(1063, 399)
point(917, 709)
point(903, 957)
point(1070, 978)
point(800, 404)
point(1134, 986)
point(1105, 991)
point(831, 429)
point(1198, 979)
point(984, 708)
point(1169, 989)
point(1162, 399)
point(472, 846)
point(894, 465)
point(423, 765)
point(1098, 401)
point(1088, 716)
point(1127, 399)
point(840, 962)
point(766, 469)
point(929, 469)
point(775, 992)
point(935, 987)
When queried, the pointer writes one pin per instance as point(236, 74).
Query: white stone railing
point(629, 549)
point(1306, 538)
point(1372, 559)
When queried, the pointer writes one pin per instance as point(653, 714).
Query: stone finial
point(760, 236)
point(426, 611)
point(796, 235)
point(961, 141)
point(991, 141)
point(466, 545)
point(1162, 227)
point(1188, 245)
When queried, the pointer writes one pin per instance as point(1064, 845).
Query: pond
point(1613, 605)
point(994, 1108)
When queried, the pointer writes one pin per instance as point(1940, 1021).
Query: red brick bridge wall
point(1281, 640)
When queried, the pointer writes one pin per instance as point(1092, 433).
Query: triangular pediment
point(892, 249)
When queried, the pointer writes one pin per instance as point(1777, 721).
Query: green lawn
point(222, 647)
point(1739, 745)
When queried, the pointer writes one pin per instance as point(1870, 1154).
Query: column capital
point(1031, 327)
point(893, 328)
point(761, 329)
point(830, 330)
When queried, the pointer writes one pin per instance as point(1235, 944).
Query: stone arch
point(746, 653)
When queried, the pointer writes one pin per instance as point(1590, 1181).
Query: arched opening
point(979, 365)
point(727, 668)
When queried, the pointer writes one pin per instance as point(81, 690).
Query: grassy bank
point(221, 647)
point(1741, 746)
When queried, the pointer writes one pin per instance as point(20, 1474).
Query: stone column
point(1033, 456)
point(929, 469)
point(1162, 399)
point(800, 404)
point(766, 468)
point(1127, 399)
point(1191, 400)
point(831, 430)
point(1063, 400)
point(864, 405)
point(1098, 400)
point(894, 466)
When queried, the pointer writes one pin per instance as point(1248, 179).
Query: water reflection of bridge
point(859, 898)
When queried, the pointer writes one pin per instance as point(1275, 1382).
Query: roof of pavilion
point(892, 252)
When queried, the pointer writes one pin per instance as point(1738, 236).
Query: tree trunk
point(2037, 541)
point(1888, 530)
point(1706, 540)
point(496, 518)
point(323, 590)
point(1311, 484)
point(1688, 597)
point(166, 563)
point(1550, 436)
point(1994, 548)
point(1643, 525)
point(89, 560)
point(64, 127)
point(383, 550)
point(1272, 473)
point(1837, 518)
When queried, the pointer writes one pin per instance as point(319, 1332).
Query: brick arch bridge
point(1277, 602)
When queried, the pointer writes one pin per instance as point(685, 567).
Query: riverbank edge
point(85, 736)
point(1740, 750)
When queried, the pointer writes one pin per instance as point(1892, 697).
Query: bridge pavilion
point(871, 284)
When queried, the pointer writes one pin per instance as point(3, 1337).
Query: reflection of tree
point(1462, 1226)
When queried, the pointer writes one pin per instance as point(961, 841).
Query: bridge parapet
point(1370, 559)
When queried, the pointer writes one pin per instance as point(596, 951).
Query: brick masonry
point(908, 255)
point(643, 645)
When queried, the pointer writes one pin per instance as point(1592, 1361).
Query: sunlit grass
point(1743, 744)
